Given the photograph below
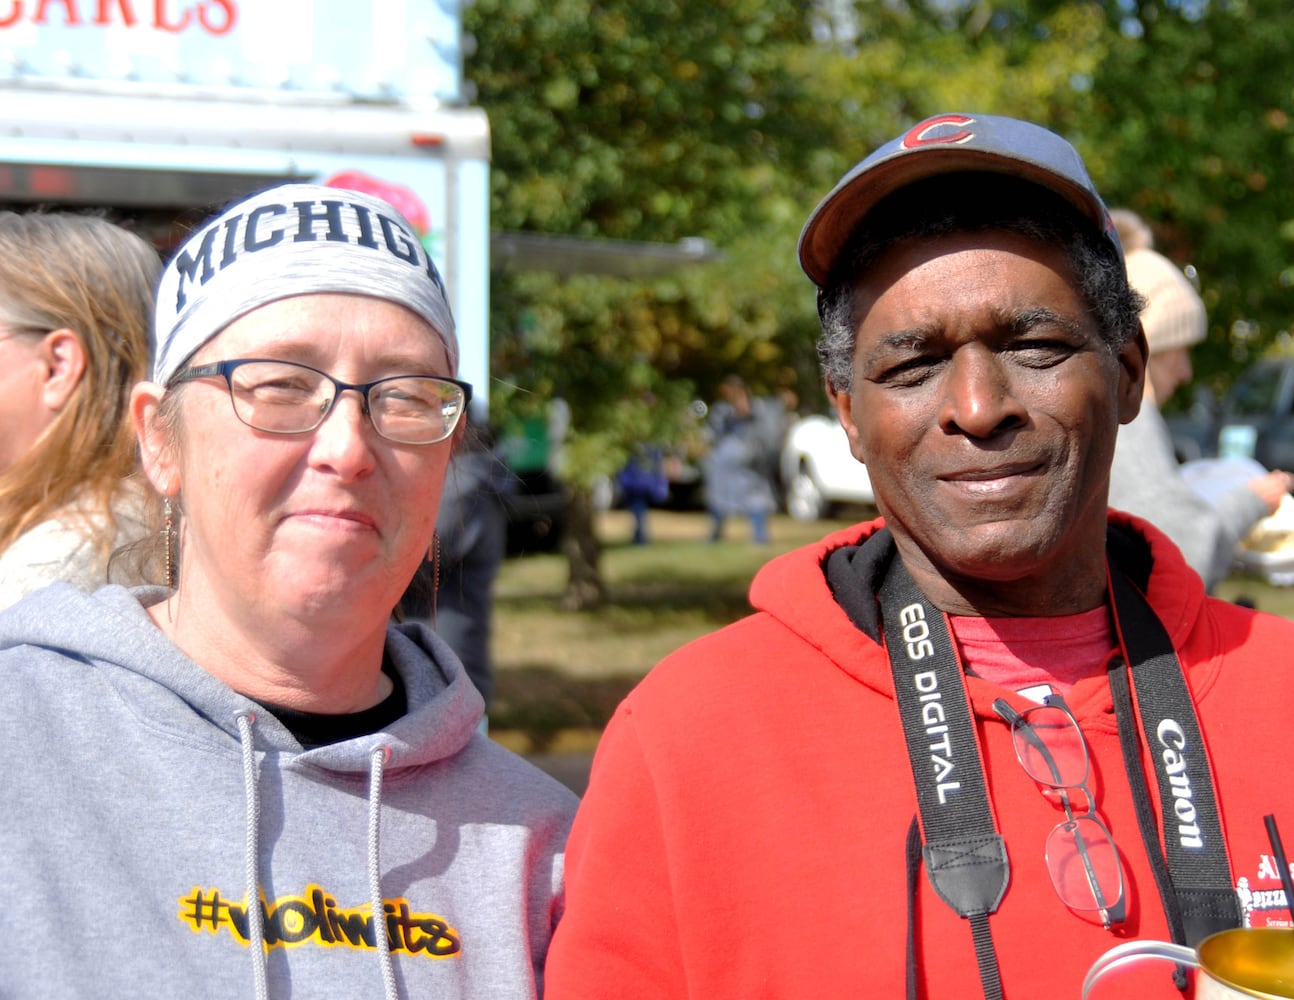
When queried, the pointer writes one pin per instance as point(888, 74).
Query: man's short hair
point(973, 202)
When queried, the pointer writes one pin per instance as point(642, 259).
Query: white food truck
point(158, 112)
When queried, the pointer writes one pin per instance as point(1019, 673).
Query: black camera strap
point(1193, 845)
point(964, 854)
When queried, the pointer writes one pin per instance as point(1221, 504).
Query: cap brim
point(841, 212)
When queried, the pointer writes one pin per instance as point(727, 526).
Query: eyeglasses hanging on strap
point(1081, 855)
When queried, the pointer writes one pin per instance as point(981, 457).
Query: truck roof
point(320, 49)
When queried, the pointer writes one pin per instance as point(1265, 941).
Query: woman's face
point(335, 520)
point(1168, 370)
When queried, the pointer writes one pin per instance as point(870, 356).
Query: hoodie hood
point(799, 589)
point(444, 708)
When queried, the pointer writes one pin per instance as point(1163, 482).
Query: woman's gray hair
point(973, 203)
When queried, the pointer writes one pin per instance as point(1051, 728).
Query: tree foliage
point(1194, 115)
point(657, 120)
point(641, 119)
point(653, 121)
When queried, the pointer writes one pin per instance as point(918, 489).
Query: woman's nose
point(343, 442)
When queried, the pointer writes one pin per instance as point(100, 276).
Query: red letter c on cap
point(920, 134)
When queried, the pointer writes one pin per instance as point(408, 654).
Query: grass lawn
point(1255, 590)
point(558, 672)
point(559, 675)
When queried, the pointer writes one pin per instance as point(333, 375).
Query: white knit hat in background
point(1175, 316)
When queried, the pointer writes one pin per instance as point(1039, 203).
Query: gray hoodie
point(1146, 480)
point(142, 796)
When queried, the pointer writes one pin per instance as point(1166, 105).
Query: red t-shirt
point(1036, 656)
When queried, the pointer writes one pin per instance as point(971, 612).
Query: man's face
point(985, 406)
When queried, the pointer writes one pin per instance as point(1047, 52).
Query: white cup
point(1233, 965)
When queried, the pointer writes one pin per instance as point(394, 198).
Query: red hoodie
point(743, 834)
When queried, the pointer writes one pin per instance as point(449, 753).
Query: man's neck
point(1032, 595)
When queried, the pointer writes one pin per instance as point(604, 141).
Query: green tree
point(1182, 109)
point(640, 119)
point(655, 120)
point(647, 121)
point(1195, 108)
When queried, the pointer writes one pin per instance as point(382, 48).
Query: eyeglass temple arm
point(1114, 913)
point(1002, 708)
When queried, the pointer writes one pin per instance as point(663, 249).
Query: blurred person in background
point(251, 777)
point(736, 467)
point(76, 297)
point(643, 484)
point(453, 592)
point(1145, 478)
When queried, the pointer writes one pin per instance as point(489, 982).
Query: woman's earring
point(168, 540)
point(435, 574)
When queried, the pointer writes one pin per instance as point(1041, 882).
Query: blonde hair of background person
point(76, 299)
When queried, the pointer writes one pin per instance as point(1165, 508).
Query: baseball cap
point(948, 144)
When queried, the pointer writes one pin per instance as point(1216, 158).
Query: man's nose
point(978, 397)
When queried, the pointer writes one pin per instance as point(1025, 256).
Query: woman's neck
point(311, 667)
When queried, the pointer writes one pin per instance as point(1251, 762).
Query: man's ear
point(1133, 358)
point(62, 357)
point(843, 403)
point(156, 451)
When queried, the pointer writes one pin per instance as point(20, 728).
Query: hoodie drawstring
point(255, 918)
point(378, 757)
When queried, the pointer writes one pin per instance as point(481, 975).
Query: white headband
point(295, 239)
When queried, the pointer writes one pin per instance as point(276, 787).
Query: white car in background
point(819, 471)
